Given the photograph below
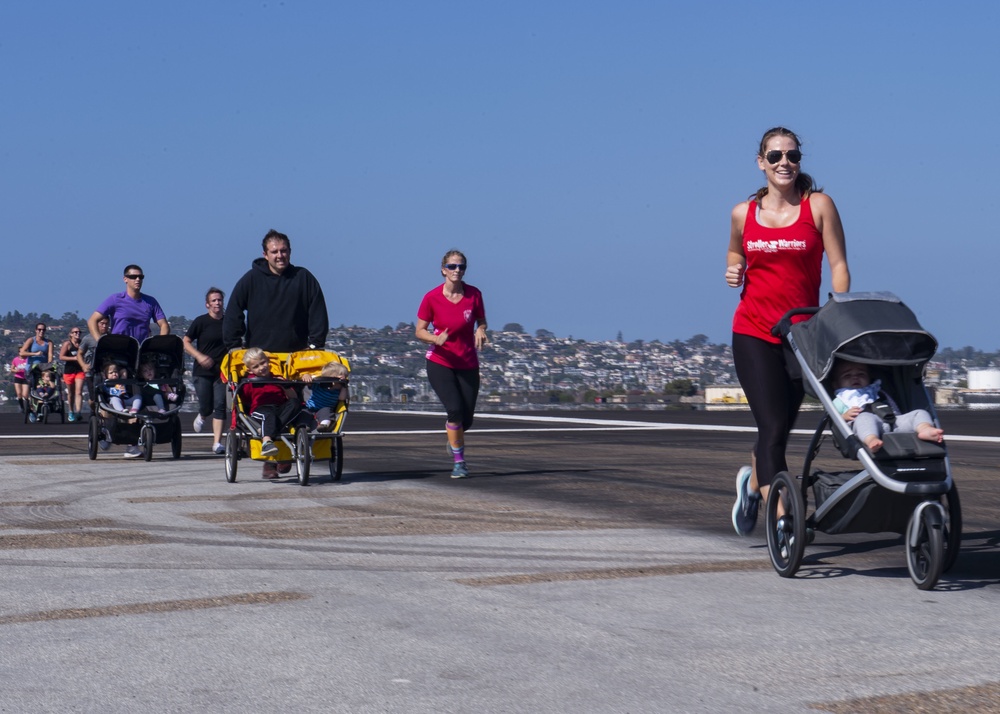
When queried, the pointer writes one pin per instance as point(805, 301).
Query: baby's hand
point(852, 414)
point(172, 397)
point(307, 378)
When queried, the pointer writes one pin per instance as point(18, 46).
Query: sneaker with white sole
point(747, 503)
point(460, 470)
point(132, 452)
point(199, 423)
point(219, 449)
point(268, 448)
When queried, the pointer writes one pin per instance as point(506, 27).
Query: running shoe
point(105, 440)
point(132, 452)
point(284, 467)
point(747, 503)
point(199, 423)
point(460, 470)
point(32, 418)
point(270, 471)
point(72, 417)
point(219, 449)
point(269, 448)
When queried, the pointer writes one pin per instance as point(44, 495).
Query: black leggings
point(772, 382)
point(457, 389)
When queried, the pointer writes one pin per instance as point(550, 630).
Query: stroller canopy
point(871, 328)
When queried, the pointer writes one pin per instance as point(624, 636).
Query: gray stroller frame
point(906, 486)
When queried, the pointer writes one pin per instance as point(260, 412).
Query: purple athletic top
point(127, 316)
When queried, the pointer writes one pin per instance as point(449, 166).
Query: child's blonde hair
point(334, 369)
point(255, 354)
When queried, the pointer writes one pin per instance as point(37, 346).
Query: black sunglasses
point(774, 156)
point(140, 276)
point(455, 266)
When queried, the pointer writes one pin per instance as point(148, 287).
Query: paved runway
point(589, 566)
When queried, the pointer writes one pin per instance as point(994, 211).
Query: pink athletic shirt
point(784, 271)
point(460, 318)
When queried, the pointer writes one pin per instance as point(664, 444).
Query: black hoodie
point(284, 313)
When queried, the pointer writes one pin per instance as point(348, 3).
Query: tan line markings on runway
point(979, 698)
point(146, 608)
point(91, 539)
point(236, 497)
point(722, 566)
point(407, 513)
point(22, 504)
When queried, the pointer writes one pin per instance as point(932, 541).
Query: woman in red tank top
point(776, 244)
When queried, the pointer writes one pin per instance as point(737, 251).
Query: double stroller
point(299, 441)
point(905, 486)
point(45, 395)
point(149, 371)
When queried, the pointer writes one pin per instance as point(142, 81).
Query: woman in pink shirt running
point(456, 311)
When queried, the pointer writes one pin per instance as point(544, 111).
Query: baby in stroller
point(120, 396)
point(46, 387)
point(44, 396)
point(273, 405)
point(871, 411)
point(155, 394)
point(328, 392)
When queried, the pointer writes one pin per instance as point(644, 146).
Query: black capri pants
point(772, 382)
point(458, 390)
point(211, 393)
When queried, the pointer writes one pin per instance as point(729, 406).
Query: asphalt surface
point(588, 566)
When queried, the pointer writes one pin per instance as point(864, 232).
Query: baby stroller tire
point(337, 458)
point(303, 454)
point(925, 544)
point(175, 438)
point(952, 528)
point(232, 455)
point(93, 436)
point(147, 438)
point(786, 535)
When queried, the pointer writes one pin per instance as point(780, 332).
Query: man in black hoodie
point(284, 306)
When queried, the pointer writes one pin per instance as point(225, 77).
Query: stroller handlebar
point(785, 323)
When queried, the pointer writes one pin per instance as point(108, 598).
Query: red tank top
point(784, 270)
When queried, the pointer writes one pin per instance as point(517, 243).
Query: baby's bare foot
point(928, 432)
point(873, 443)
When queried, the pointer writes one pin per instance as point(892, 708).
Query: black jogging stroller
point(44, 398)
point(149, 425)
point(906, 486)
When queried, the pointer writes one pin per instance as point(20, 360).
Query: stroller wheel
point(925, 544)
point(786, 533)
point(303, 454)
point(952, 527)
point(232, 455)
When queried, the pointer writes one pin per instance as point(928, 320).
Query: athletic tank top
point(72, 366)
point(784, 271)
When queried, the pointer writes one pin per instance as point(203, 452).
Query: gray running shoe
point(460, 470)
point(747, 503)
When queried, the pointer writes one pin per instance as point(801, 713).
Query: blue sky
point(585, 155)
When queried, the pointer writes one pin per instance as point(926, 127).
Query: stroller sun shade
point(871, 328)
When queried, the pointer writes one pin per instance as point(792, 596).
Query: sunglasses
point(774, 156)
point(140, 276)
point(455, 266)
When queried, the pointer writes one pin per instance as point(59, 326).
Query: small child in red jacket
point(273, 405)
